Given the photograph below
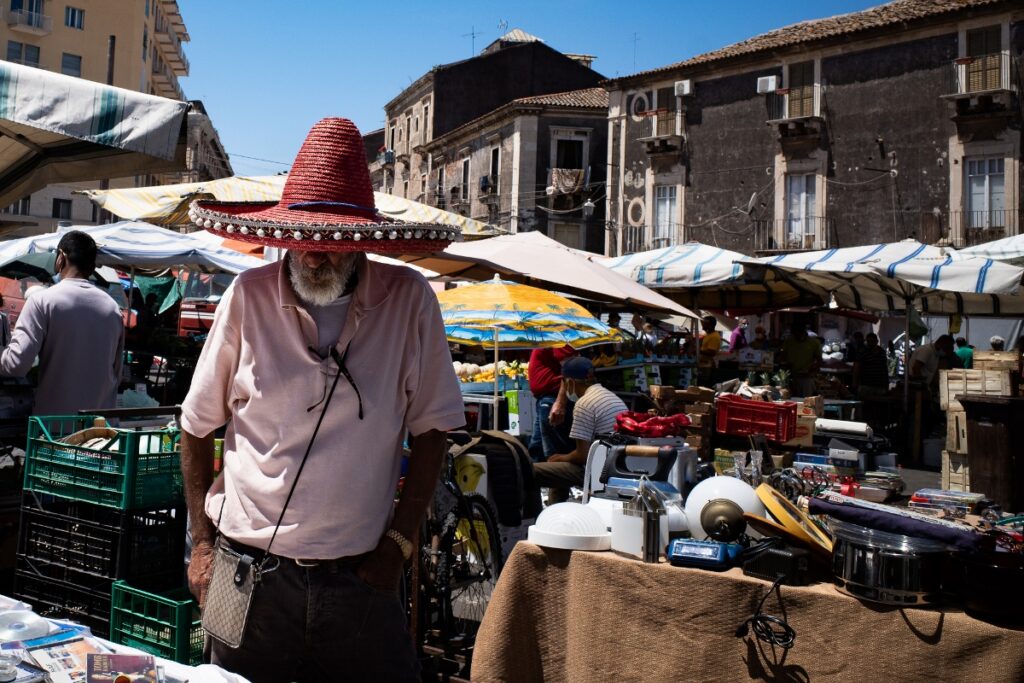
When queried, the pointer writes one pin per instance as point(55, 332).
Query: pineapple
point(766, 379)
point(782, 378)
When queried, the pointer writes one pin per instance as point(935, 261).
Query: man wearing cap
point(76, 330)
point(321, 365)
point(997, 343)
point(594, 411)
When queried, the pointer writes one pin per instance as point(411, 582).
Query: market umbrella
point(60, 129)
point(900, 276)
point(538, 260)
point(1009, 249)
point(167, 205)
point(702, 276)
point(498, 313)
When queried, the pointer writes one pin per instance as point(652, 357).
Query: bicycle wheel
point(472, 546)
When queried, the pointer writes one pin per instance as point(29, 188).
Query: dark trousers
point(319, 624)
point(547, 439)
point(558, 478)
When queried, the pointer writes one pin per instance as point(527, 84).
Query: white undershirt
point(329, 320)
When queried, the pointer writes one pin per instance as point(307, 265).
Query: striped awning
point(1008, 249)
point(59, 129)
point(899, 275)
point(168, 204)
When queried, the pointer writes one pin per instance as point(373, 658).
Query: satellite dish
point(751, 203)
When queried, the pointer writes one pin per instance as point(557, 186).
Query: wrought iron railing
point(797, 102)
point(967, 228)
point(981, 73)
point(808, 233)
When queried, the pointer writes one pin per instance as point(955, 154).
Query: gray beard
point(320, 286)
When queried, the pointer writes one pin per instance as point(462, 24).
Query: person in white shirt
point(927, 359)
point(593, 414)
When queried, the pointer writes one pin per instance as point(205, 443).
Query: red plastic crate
point(742, 417)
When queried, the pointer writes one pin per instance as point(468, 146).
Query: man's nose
point(313, 259)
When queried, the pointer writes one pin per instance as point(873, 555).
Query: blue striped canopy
point(894, 276)
point(689, 265)
point(1008, 249)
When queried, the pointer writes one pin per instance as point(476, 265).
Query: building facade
point(131, 44)
point(447, 98)
point(536, 163)
point(900, 121)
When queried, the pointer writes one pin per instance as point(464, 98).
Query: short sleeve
point(208, 403)
point(434, 397)
point(584, 422)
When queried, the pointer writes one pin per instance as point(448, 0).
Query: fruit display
point(603, 360)
point(471, 372)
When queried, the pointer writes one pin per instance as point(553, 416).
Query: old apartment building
point(131, 44)
point(447, 106)
point(903, 120)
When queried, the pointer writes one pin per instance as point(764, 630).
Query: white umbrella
point(135, 244)
point(535, 259)
point(60, 129)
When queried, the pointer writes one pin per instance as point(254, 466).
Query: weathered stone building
point(903, 120)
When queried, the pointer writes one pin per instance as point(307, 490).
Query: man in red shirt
point(553, 411)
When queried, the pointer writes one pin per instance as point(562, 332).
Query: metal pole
point(906, 359)
point(497, 378)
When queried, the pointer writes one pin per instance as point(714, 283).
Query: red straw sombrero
point(326, 205)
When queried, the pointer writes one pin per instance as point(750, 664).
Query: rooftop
point(588, 97)
point(891, 14)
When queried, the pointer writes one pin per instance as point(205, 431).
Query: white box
point(842, 451)
point(521, 412)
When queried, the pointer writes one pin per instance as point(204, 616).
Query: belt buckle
point(307, 563)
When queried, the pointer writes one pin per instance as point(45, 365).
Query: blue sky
point(267, 71)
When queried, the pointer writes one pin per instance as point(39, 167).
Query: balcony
point(165, 83)
point(982, 91)
point(662, 135)
point(982, 74)
point(34, 23)
point(638, 238)
point(170, 46)
point(967, 228)
point(784, 235)
point(797, 114)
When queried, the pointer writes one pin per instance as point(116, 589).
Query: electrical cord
point(769, 628)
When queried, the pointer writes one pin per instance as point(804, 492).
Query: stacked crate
point(994, 374)
point(100, 505)
point(698, 404)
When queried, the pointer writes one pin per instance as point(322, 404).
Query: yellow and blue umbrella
point(515, 316)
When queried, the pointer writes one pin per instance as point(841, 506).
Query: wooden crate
point(953, 383)
point(996, 360)
point(956, 431)
point(955, 474)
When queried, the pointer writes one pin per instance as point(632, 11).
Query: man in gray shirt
point(77, 332)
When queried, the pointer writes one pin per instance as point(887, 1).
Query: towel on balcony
point(567, 180)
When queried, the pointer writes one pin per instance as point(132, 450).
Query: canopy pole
point(497, 378)
point(906, 359)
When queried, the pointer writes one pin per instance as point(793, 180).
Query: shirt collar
point(371, 289)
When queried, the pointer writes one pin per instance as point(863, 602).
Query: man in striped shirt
point(593, 414)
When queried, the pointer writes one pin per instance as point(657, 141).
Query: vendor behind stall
point(738, 338)
point(871, 370)
point(710, 345)
point(802, 353)
point(594, 413)
point(926, 362)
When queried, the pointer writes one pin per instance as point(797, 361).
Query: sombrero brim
point(330, 229)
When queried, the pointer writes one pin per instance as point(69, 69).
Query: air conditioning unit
point(767, 84)
point(684, 88)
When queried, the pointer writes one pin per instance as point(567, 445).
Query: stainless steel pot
point(887, 568)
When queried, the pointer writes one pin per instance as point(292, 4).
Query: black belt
point(348, 563)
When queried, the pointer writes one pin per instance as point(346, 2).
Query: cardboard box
point(663, 392)
point(804, 431)
point(697, 441)
point(955, 473)
point(996, 360)
point(521, 412)
point(953, 383)
point(699, 419)
point(696, 395)
point(812, 405)
point(956, 431)
point(698, 409)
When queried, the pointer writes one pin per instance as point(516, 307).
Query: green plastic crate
point(166, 624)
point(140, 470)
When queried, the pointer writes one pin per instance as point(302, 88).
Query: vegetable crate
point(123, 469)
point(742, 417)
point(167, 624)
point(79, 542)
point(60, 599)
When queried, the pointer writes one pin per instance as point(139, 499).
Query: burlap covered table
point(561, 616)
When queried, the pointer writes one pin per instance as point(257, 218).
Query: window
point(22, 53)
point(71, 65)
point(801, 90)
point(62, 209)
point(399, 133)
point(391, 146)
point(147, 8)
point(984, 71)
point(495, 168)
point(801, 218)
point(145, 41)
point(416, 124)
point(426, 120)
point(986, 207)
point(405, 189)
point(569, 153)
point(440, 186)
point(423, 185)
point(464, 190)
point(74, 17)
point(408, 126)
point(21, 207)
point(664, 215)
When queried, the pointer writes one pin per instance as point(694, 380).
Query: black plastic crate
point(52, 598)
point(145, 547)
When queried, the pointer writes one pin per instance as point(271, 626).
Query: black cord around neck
point(768, 628)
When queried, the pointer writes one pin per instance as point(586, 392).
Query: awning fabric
point(1009, 249)
point(59, 129)
point(133, 243)
point(900, 275)
point(168, 204)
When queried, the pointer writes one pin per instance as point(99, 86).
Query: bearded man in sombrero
point(321, 365)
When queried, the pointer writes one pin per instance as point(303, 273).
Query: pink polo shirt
point(256, 370)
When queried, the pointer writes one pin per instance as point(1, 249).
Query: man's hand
point(557, 414)
point(382, 568)
point(559, 457)
point(200, 571)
